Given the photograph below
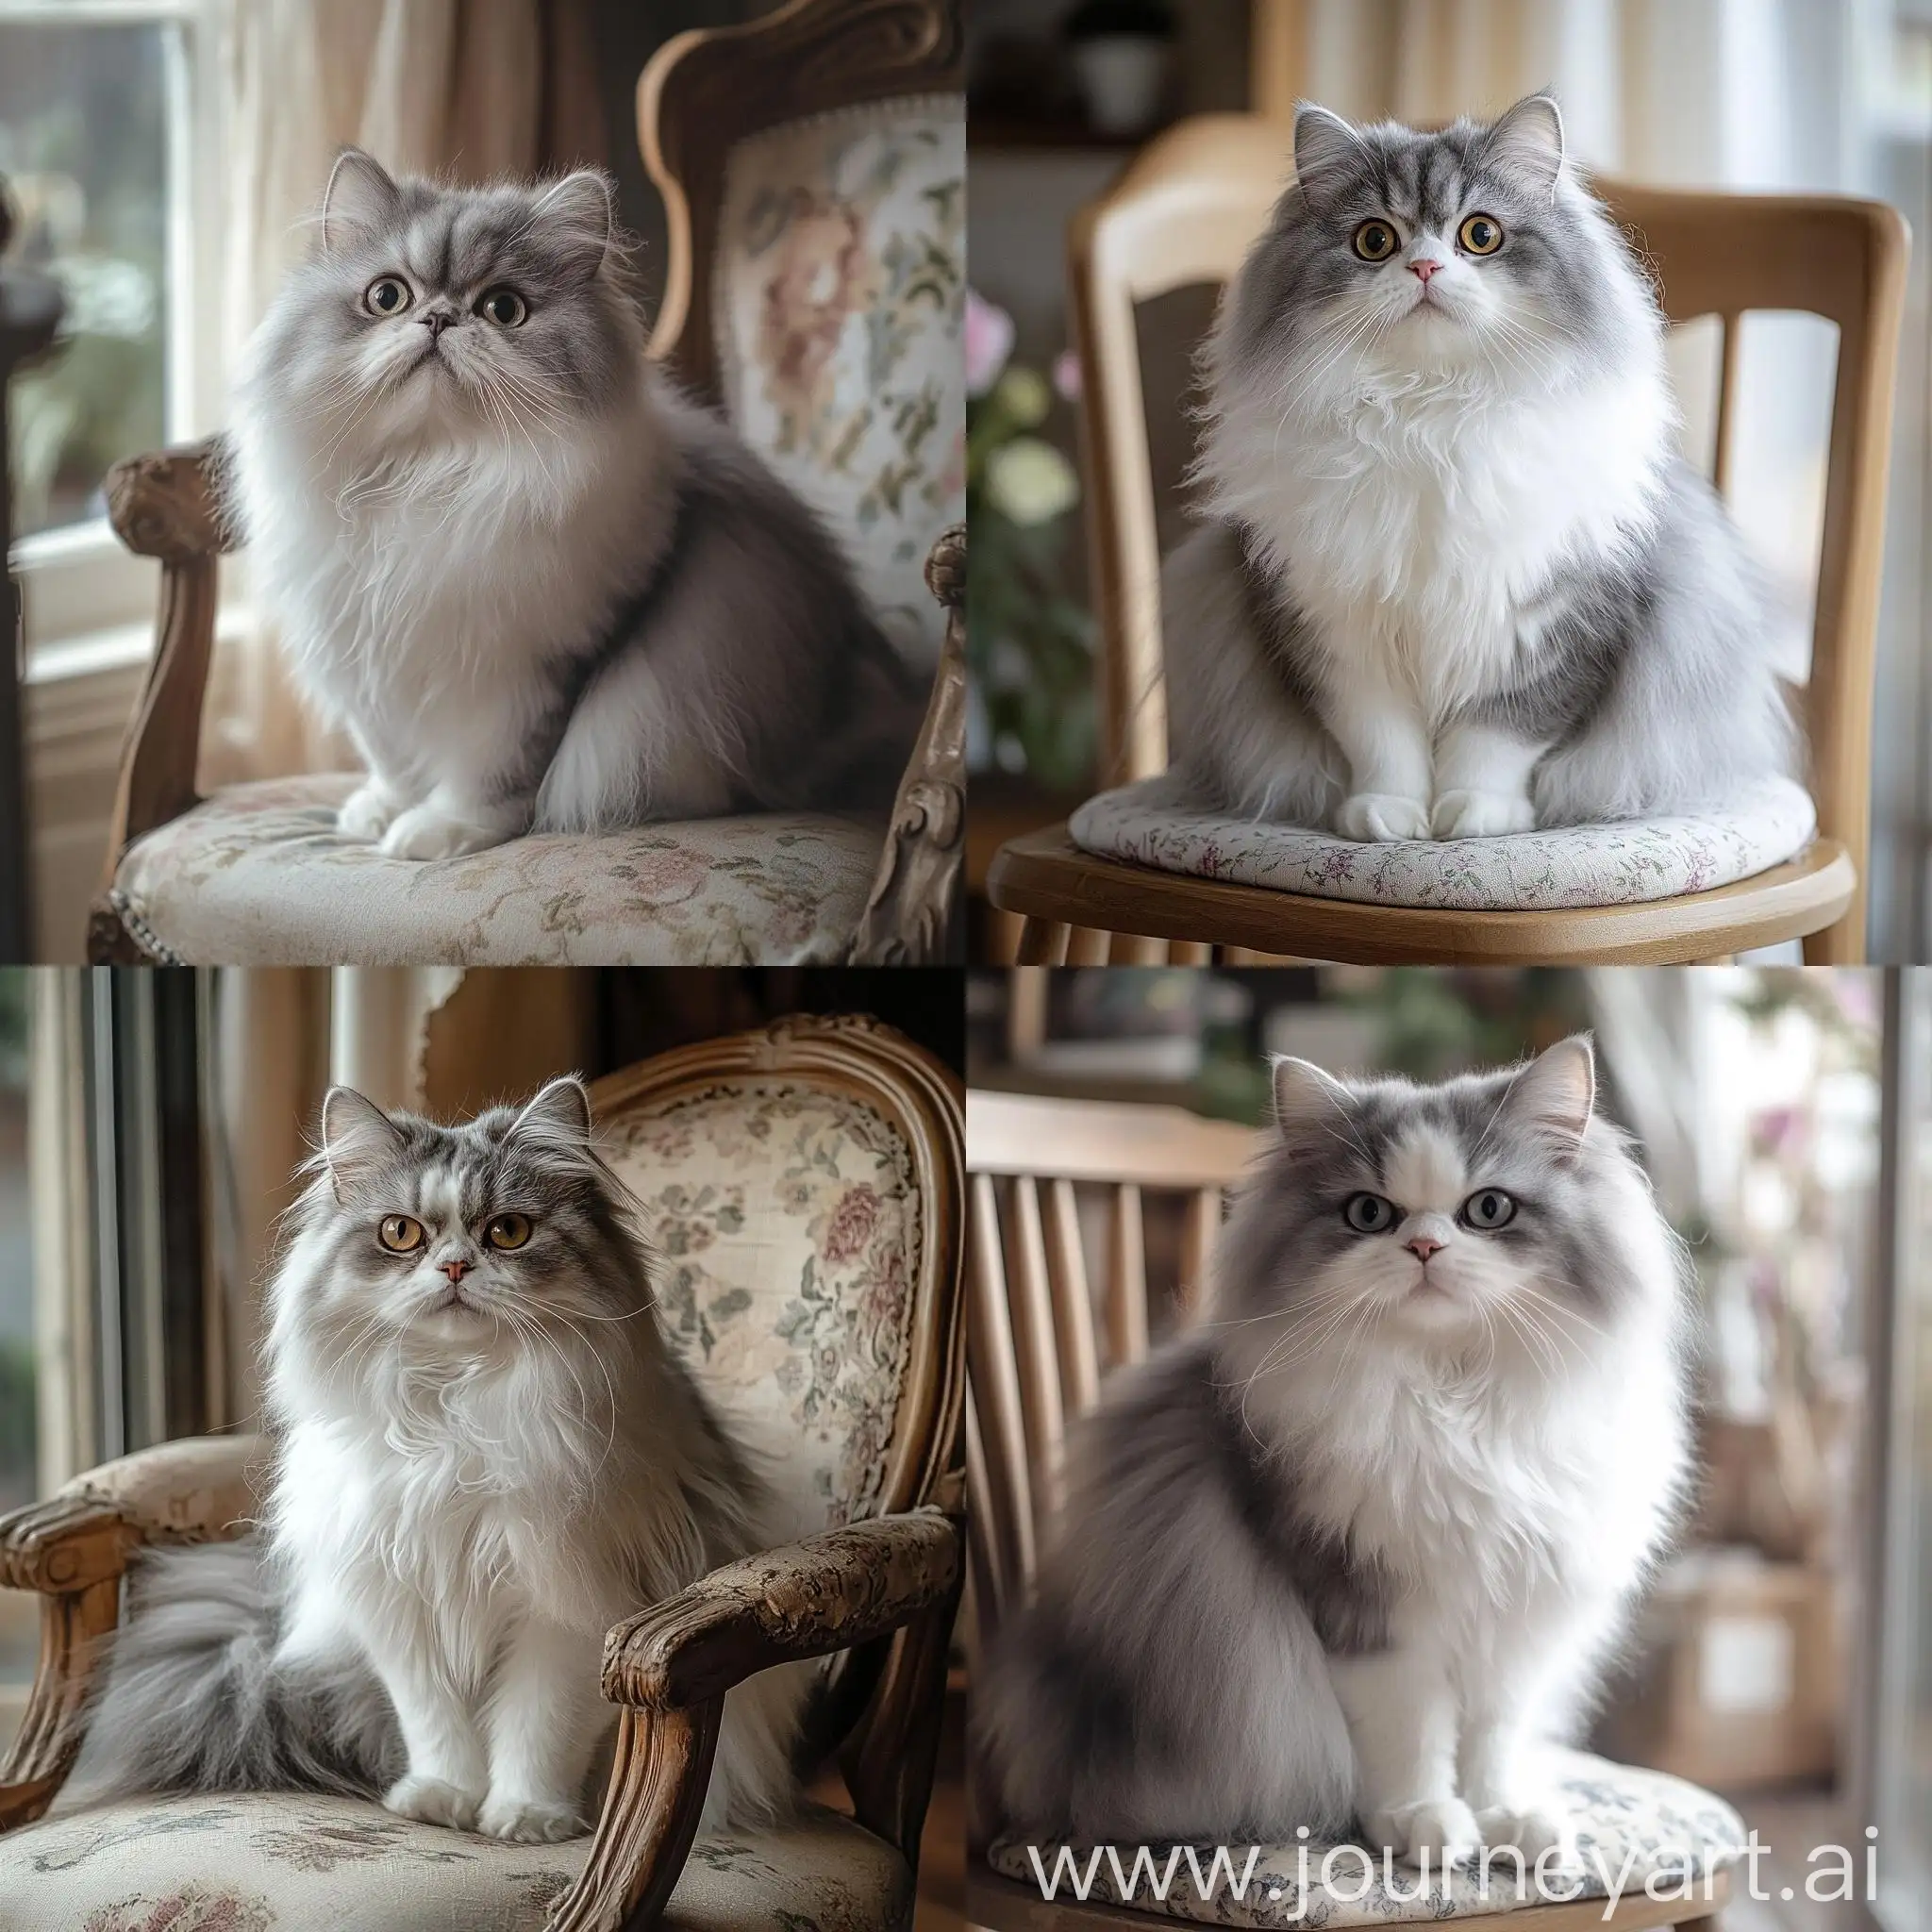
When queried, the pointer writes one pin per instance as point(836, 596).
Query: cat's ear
point(1305, 1098)
point(576, 217)
point(561, 1111)
point(1555, 1094)
point(1529, 139)
point(356, 1136)
point(361, 199)
point(1326, 147)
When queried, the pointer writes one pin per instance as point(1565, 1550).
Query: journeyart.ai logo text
point(1292, 1879)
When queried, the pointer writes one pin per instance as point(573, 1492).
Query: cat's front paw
point(366, 813)
point(1444, 1829)
point(531, 1821)
point(422, 832)
point(1480, 815)
point(1378, 817)
point(432, 1800)
point(1534, 1831)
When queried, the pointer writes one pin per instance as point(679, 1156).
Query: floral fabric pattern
point(258, 876)
point(287, 1862)
point(1661, 1825)
point(788, 1221)
point(840, 297)
point(1155, 823)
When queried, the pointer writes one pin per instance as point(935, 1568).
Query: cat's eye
point(1481, 233)
point(504, 306)
point(386, 295)
point(401, 1234)
point(1369, 1213)
point(507, 1231)
point(1491, 1208)
point(1376, 240)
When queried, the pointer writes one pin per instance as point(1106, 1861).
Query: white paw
point(431, 1800)
point(531, 1821)
point(1532, 1832)
point(1380, 816)
point(1444, 1828)
point(366, 812)
point(1480, 815)
point(422, 832)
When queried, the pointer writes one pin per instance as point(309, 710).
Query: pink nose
point(456, 1270)
point(1423, 268)
point(1421, 1248)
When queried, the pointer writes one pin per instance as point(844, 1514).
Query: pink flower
point(851, 1224)
point(988, 342)
point(1066, 375)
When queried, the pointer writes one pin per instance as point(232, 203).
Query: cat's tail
point(197, 1699)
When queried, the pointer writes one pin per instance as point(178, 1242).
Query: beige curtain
point(466, 90)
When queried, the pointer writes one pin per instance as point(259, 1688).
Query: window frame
point(83, 593)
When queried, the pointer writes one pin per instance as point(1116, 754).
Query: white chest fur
point(1418, 527)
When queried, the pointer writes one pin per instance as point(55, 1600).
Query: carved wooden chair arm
point(73, 1548)
point(911, 906)
point(169, 505)
point(670, 1666)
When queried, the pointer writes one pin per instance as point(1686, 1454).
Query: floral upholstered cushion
point(1155, 823)
point(789, 1220)
point(258, 876)
point(1634, 1828)
point(840, 302)
point(282, 1862)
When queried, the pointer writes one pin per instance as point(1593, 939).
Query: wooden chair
point(1038, 1347)
point(1183, 214)
point(748, 1145)
point(709, 102)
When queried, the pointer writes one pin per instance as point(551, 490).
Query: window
point(106, 137)
point(1899, 1773)
point(107, 1344)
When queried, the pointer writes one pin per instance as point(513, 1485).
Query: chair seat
point(261, 1860)
point(1629, 862)
point(1659, 1823)
point(1044, 876)
point(258, 876)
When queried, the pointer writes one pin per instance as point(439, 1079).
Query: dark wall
point(627, 34)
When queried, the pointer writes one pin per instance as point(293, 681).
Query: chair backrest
point(804, 1186)
point(812, 164)
point(1040, 1336)
point(1185, 212)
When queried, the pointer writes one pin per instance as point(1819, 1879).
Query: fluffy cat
point(487, 1455)
point(1345, 1550)
point(1454, 577)
point(535, 586)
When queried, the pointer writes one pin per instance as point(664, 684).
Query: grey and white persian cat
point(486, 1456)
point(1454, 576)
point(537, 586)
point(1346, 1552)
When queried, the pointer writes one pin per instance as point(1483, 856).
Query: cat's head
point(487, 1238)
point(431, 317)
point(1492, 1217)
point(1474, 253)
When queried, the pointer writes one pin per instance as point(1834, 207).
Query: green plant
point(17, 1414)
point(1029, 642)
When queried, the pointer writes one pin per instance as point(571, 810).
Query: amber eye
point(399, 1233)
point(1481, 233)
point(386, 295)
point(1377, 242)
point(504, 306)
point(507, 1231)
